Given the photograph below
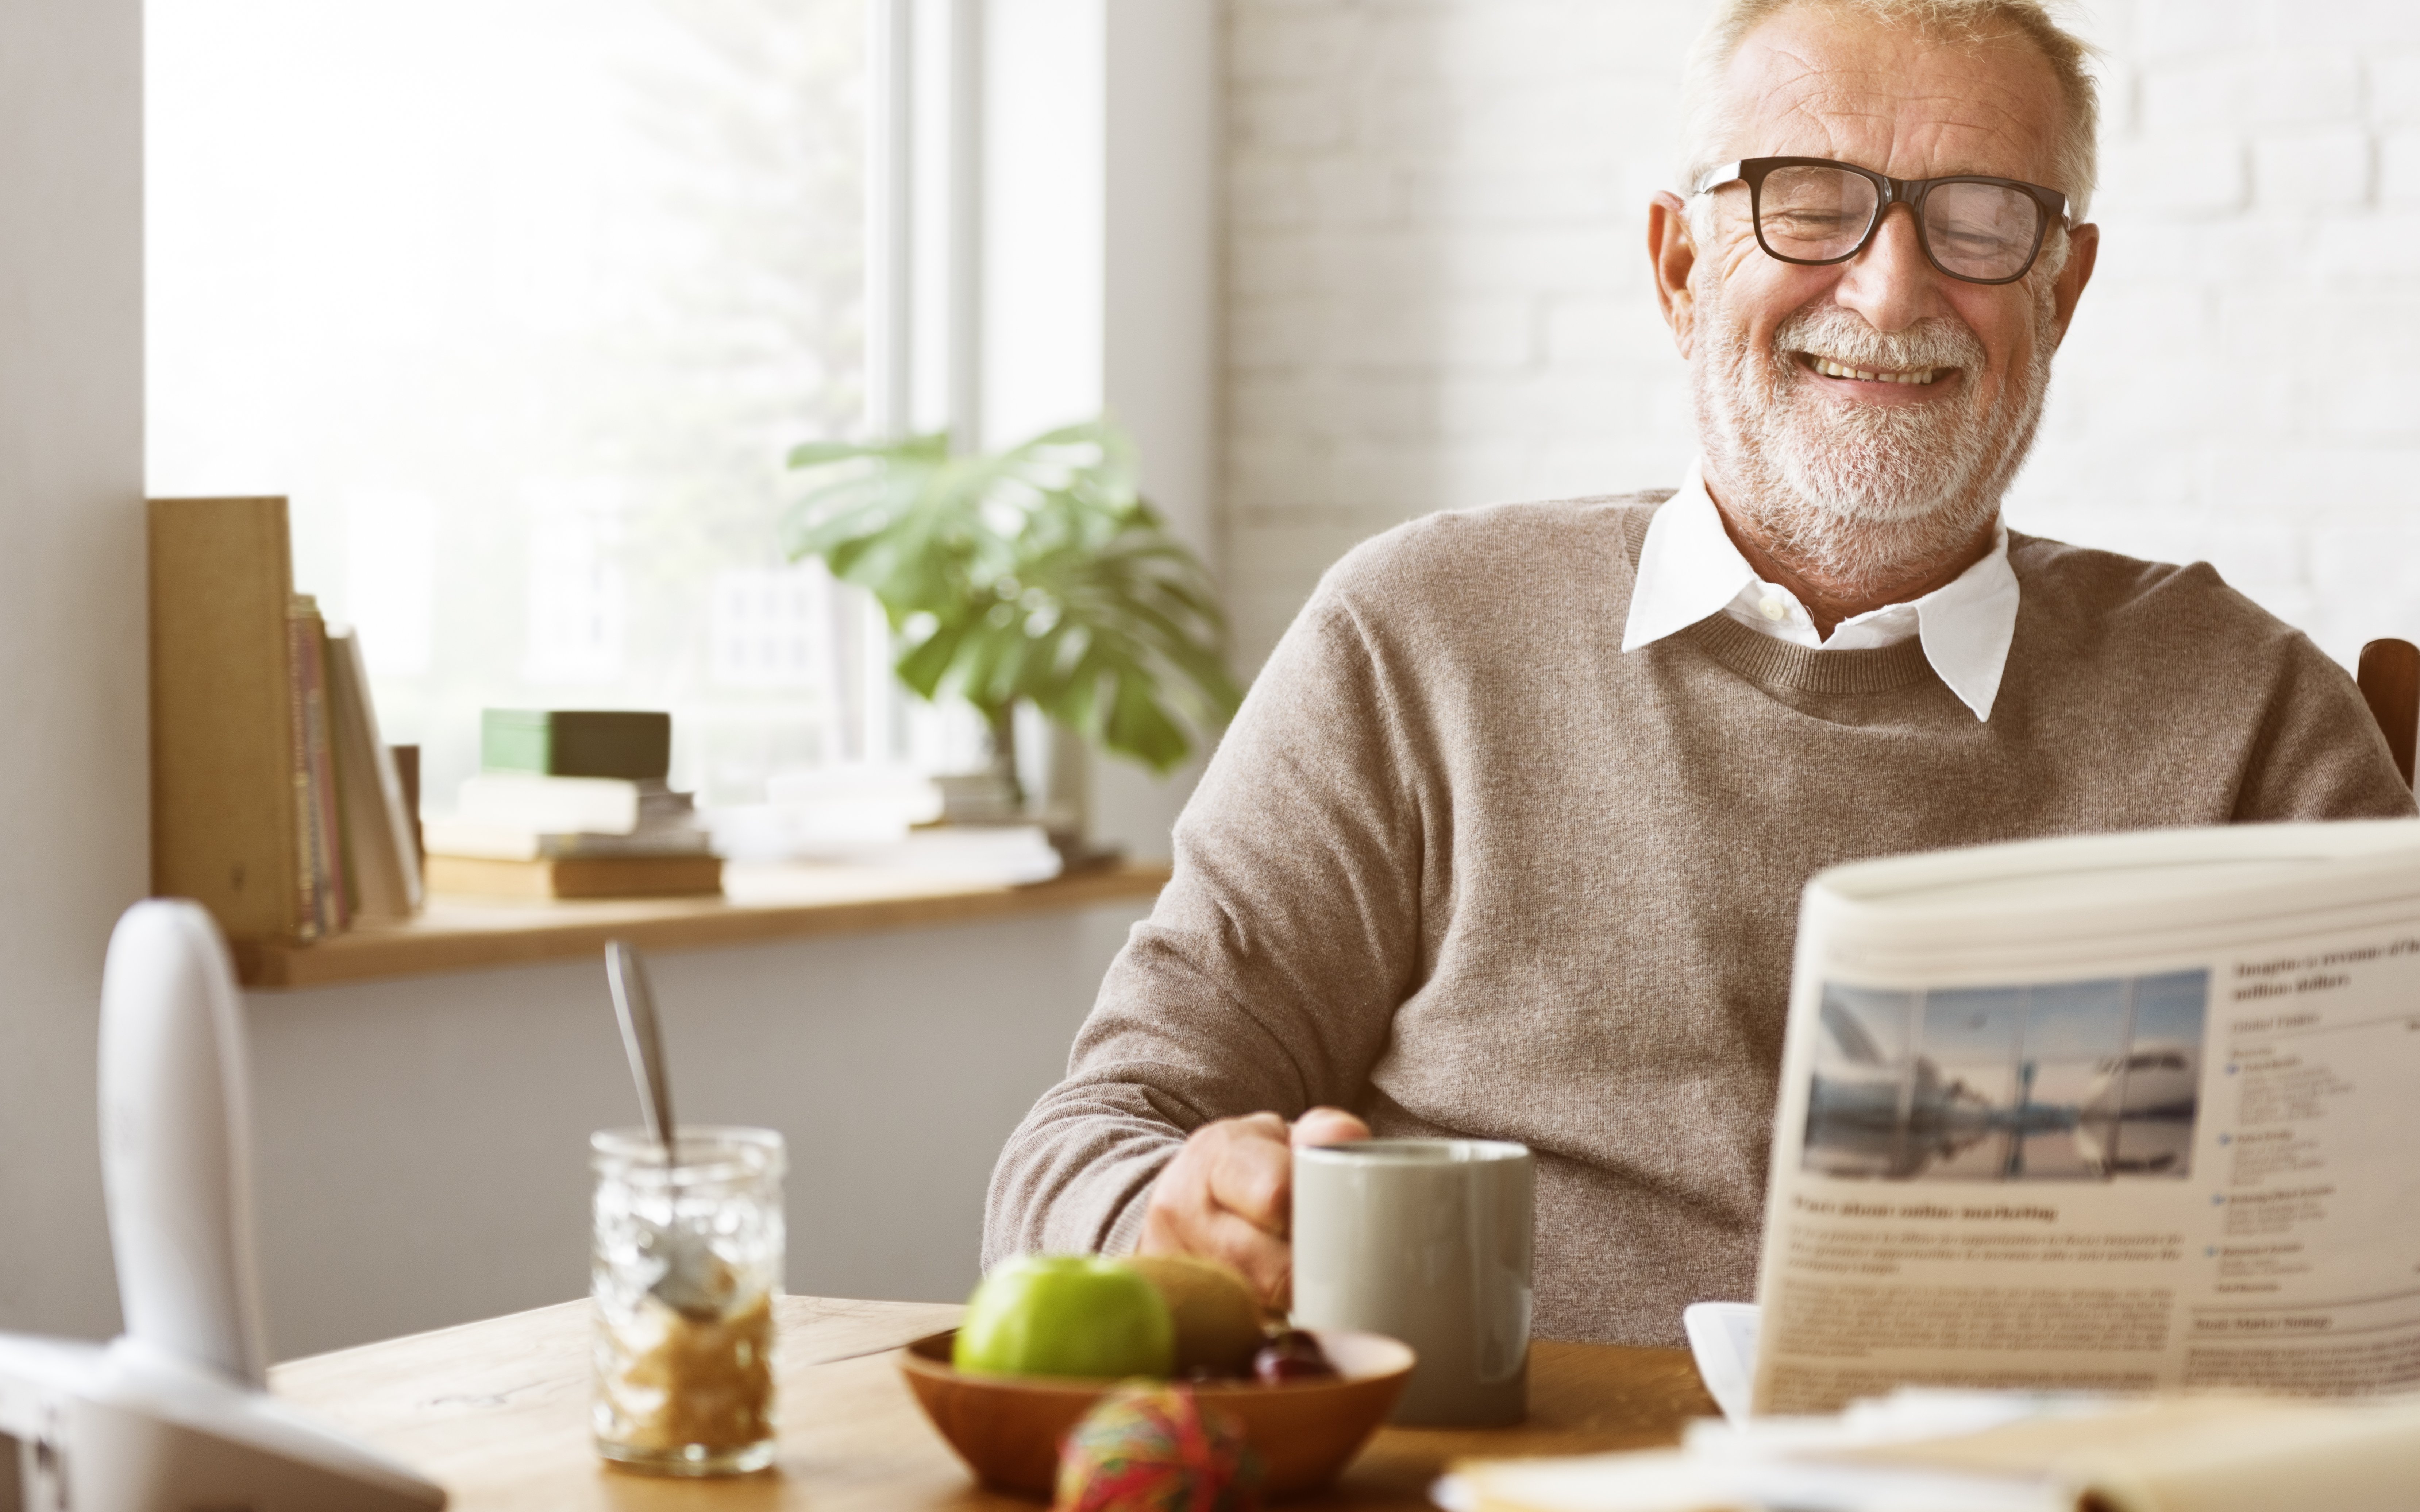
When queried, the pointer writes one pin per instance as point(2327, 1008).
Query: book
point(227, 818)
point(476, 838)
point(381, 858)
point(321, 894)
point(2112, 1114)
point(590, 876)
point(600, 805)
point(518, 816)
point(407, 773)
point(632, 745)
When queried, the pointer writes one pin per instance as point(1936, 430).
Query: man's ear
point(2083, 249)
point(1672, 254)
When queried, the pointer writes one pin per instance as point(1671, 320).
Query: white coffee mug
point(1426, 1240)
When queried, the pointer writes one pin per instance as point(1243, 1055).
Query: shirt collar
point(1688, 570)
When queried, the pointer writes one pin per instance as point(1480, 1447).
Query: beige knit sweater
point(1464, 867)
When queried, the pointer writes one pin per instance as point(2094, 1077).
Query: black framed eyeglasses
point(1814, 212)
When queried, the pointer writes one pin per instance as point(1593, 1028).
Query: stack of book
point(273, 801)
point(572, 803)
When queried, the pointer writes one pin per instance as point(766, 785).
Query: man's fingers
point(1252, 1169)
point(1236, 1167)
point(1327, 1126)
point(1229, 1194)
point(1252, 1177)
point(1266, 1260)
point(1187, 1216)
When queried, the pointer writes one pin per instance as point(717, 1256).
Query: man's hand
point(1228, 1194)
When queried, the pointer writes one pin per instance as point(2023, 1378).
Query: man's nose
point(1891, 282)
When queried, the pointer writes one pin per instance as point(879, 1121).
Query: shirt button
point(1775, 609)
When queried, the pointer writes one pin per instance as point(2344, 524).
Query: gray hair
point(1705, 120)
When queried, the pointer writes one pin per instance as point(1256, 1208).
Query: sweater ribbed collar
point(1762, 659)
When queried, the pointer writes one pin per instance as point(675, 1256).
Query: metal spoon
point(695, 1282)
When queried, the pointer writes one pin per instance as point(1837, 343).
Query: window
point(522, 304)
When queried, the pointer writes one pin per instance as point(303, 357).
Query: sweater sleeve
point(1268, 974)
point(2319, 754)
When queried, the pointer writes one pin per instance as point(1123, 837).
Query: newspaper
point(2101, 1114)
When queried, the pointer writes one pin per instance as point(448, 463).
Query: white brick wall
point(1438, 295)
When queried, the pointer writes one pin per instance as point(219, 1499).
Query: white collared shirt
point(1689, 568)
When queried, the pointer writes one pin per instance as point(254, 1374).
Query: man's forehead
point(1814, 82)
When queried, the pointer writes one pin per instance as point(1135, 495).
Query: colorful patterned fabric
point(1147, 1448)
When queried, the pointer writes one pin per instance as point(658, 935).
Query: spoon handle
point(635, 1006)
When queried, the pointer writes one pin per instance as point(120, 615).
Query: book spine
point(381, 862)
point(225, 815)
point(322, 860)
point(342, 789)
point(325, 792)
point(306, 872)
point(407, 777)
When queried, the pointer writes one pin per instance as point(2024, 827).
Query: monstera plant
point(1036, 575)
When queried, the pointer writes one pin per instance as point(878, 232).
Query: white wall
point(1438, 293)
point(74, 830)
point(422, 1144)
point(2241, 384)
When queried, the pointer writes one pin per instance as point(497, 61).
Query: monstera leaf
point(1037, 574)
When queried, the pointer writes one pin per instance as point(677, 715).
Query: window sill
point(761, 905)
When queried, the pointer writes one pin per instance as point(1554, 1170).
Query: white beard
point(1856, 498)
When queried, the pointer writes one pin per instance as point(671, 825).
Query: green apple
point(1066, 1315)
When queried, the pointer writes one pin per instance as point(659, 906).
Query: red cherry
point(1292, 1355)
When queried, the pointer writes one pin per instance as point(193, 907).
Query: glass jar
point(684, 1269)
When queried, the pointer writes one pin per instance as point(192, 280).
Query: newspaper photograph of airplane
point(2075, 1081)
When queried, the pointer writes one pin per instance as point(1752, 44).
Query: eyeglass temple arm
point(1716, 178)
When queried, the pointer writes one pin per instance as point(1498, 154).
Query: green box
point(624, 743)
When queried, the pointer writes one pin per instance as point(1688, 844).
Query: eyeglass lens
point(1818, 214)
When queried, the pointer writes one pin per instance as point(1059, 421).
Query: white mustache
point(1829, 330)
point(1858, 492)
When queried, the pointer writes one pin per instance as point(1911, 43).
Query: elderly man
point(1509, 838)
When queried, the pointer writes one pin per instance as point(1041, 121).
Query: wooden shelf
point(760, 903)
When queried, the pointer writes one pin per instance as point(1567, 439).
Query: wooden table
point(497, 1413)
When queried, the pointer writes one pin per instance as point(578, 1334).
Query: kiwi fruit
point(1217, 1314)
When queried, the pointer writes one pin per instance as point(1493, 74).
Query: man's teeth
point(1832, 369)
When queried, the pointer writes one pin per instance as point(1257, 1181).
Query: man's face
point(1857, 475)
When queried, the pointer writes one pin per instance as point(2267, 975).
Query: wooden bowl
point(1007, 1428)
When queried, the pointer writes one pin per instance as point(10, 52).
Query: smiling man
point(1507, 840)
